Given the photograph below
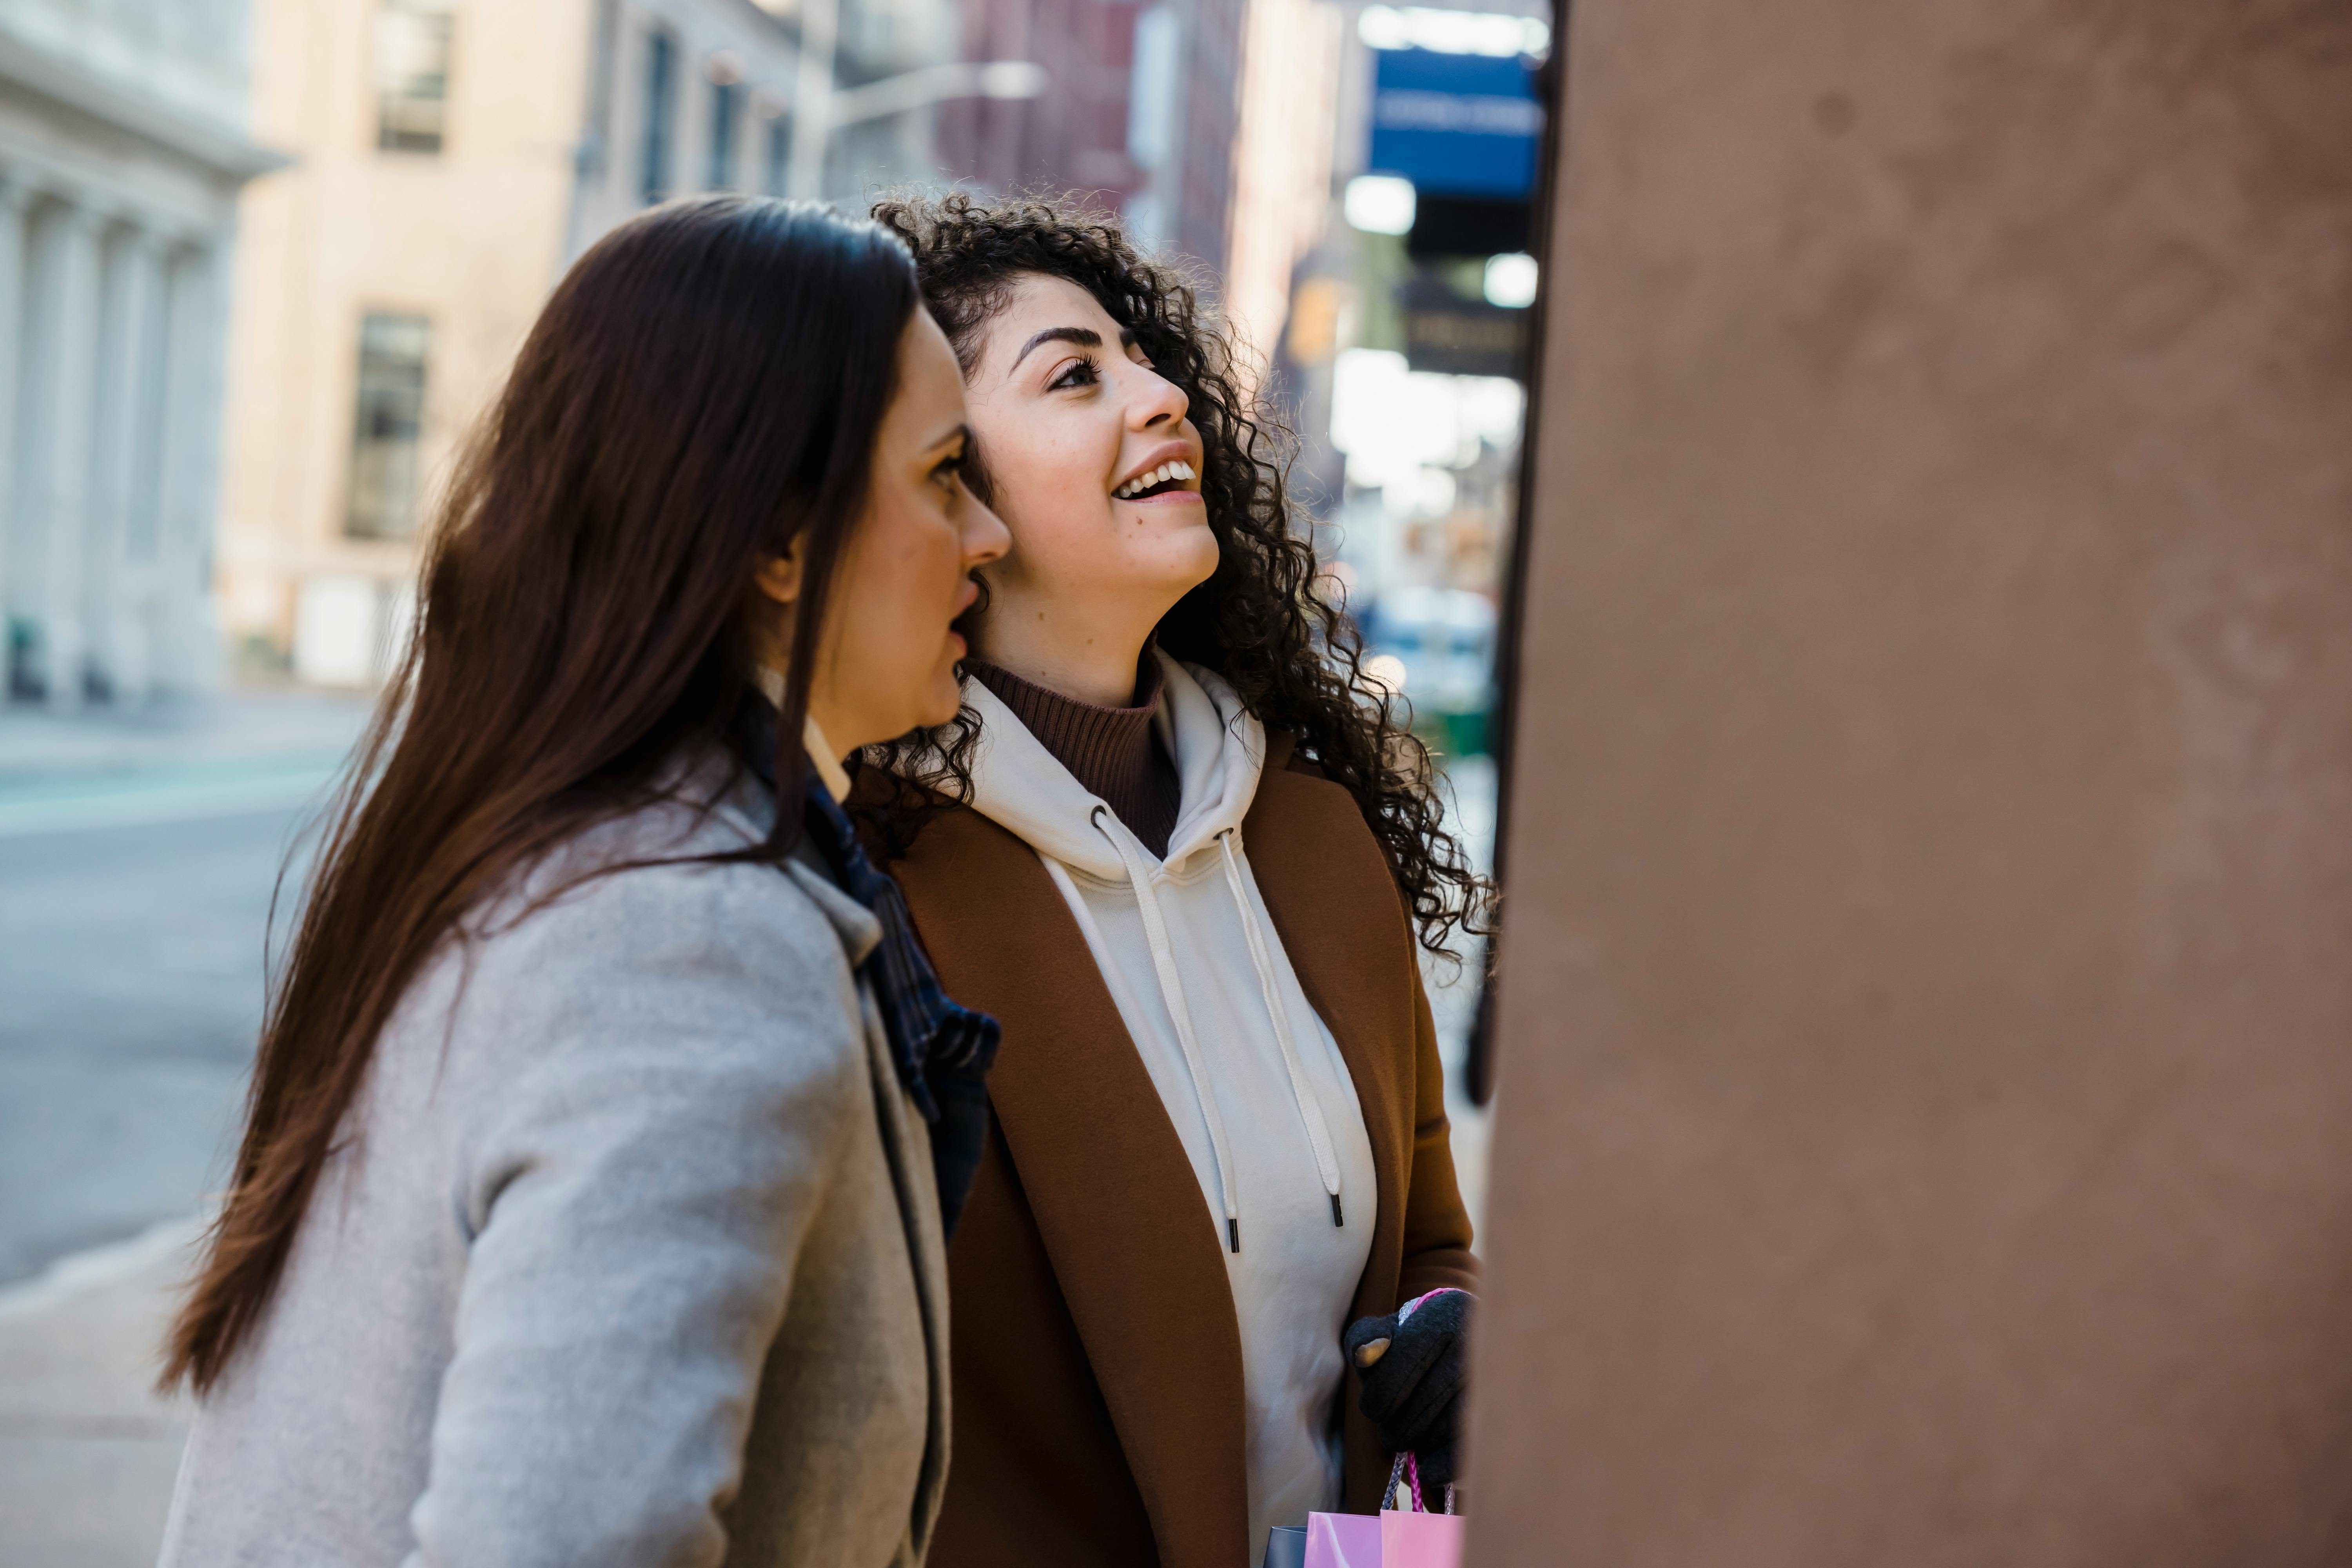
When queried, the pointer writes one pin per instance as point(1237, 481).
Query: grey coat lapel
point(906, 1145)
point(906, 1142)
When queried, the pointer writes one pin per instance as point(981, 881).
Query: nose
point(1155, 400)
point(985, 537)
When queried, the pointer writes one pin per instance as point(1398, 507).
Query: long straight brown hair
point(704, 386)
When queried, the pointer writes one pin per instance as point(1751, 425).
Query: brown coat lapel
point(1342, 921)
point(1115, 1203)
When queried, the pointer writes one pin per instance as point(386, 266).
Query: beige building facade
point(385, 281)
point(451, 157)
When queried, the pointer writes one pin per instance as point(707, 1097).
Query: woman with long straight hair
point(587, 1210)
point(1214, 1272)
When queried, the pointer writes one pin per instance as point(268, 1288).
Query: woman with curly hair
point(1183, 853)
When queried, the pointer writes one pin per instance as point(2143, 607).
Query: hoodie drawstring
point(1310, 1110)
point(1171, 993)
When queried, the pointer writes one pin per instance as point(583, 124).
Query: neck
point(1091, 659)
point(816, 731)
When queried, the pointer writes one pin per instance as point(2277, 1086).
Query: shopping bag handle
point(1407, 1469)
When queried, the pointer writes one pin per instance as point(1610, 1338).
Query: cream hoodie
point(1252, 1080)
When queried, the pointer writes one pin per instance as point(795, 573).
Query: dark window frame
point(395, 351)
point(658, 147)
point(779, 139)
point(726, 132)
point(412, 95)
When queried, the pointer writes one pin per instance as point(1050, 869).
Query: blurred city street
point(138, 855)
point(268, 262)
point(1853, 498)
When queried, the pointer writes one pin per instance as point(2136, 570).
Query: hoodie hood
point(1218, 746)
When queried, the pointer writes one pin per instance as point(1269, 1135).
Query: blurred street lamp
point(821, 109)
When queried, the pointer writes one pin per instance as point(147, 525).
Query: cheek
point(1054, 469)
point(1061, 521)
point(917, 567)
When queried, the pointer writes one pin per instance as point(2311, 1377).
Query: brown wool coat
point(1097, 1362)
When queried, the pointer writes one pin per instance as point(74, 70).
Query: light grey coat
point(632, 1253)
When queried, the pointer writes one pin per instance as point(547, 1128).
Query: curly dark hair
point(1291, 654)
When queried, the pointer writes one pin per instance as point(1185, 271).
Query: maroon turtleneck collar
point(1111, 750)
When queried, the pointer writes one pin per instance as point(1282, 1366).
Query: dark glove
point(1412, 1375)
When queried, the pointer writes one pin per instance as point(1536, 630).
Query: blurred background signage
point(1457, 124)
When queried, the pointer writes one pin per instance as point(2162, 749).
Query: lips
point(1172, 475)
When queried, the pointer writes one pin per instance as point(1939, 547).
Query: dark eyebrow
point(960, 432)
point(1084, 337)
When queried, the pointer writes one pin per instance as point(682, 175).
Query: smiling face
point(1093, 465)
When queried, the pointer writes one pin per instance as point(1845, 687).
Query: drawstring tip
point(1338, 1219)
point(1233, 1234)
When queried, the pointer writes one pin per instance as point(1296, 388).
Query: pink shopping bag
point(1409, 1537)
point(1343, 1541)
point(1420, 1540)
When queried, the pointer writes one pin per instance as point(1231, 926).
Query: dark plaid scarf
point(942, 1050)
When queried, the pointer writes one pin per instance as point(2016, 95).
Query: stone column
point(186, 632)
point(1925, 1023)
point(59, 389)
point(11, 319)
point(145, 649)
point(114, 588)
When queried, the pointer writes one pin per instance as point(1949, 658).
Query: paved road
point(137, 859)
point(131, 962)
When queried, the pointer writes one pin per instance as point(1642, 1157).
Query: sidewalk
point(178, 760)
point(87, 1452)
point(131, 974)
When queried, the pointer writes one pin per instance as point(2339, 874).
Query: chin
point(946, 698)
point(1203, 561)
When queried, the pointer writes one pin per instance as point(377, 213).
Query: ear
point(779, 576)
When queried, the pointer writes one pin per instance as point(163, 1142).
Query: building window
point(726, 131)
point(391, 418)
point(661, 109)
point(780, 153)
point(412, 74)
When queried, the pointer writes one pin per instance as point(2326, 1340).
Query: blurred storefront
point(1404, 351)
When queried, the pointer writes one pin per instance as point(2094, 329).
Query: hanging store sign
point(1457, 124)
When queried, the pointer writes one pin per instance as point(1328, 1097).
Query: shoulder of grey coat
point(530, 1314)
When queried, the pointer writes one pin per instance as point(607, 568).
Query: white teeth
point(1160, 475)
